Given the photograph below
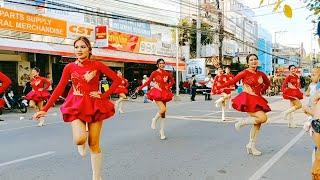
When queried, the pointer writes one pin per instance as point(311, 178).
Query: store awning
point(67, 50)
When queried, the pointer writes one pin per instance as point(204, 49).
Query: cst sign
point(76, 30)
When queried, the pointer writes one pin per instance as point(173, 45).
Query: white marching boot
point(154, 121)
point(82, 150)
point(120, 107)
point(96, 164)
point(218, 102)
point(244, 122)
point(291, 123)
point(223, 118)
point(287, 112)
point(251, 149)
point(251, 146)
point(162, 136)
point(41, 122)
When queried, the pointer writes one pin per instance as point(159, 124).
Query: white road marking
point(260, 172)
point(27, 158)
point(23, 127)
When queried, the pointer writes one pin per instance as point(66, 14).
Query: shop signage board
point(130, 27)
point(101, 36)
point(32, 23)
point(76, 30)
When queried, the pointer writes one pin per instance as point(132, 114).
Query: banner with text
point(196, 67)
point(32, 23)
point(123, 42)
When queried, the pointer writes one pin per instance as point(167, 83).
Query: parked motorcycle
point(13, 102)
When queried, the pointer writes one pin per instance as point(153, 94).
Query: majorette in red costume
point(5, 83)
point(255, 83)
point(85, 79)
point(123, 87)
point(291, 91)
point(218, 80)
point(85, 106)
point(39, 89)
point(162, 89)
point(121, 90)
point(160, 93)
point(228, 77)
point(291, 88)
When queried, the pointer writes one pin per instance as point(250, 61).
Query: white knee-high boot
point(287, 112)
point(154, 121)
point(41, 122)
point(291, 123)
point(223, 113)
point(251, 146)
point(82, 150)
point(120, 107)
point(244, 122)
point(219, 101)
point(96, 164)
point(162, 136)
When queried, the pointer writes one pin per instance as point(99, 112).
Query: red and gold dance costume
point(291, 88)
point(36, 94)
point(250, 100)
point(228, 77)
point(85, 79)
point(161, 91)
point(5, 84)
point(123, 87)
point(217, 81)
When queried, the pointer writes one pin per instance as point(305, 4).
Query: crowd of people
point(88, 103)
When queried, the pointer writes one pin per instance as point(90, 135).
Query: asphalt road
point(198, 146)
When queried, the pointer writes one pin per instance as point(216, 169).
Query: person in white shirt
point(145, 89)
point(209, 83)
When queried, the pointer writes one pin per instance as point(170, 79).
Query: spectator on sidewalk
point(209, 83)
point(145, 89)
point(193, 86)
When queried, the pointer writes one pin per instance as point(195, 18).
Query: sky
point(288, 31)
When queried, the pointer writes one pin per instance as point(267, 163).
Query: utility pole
point(198, 30)
point(221, 30)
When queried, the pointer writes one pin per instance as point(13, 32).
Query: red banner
point(123, 42)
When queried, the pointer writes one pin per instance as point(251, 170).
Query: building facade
point(41, 35)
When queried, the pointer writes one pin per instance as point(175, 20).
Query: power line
point(90, 12)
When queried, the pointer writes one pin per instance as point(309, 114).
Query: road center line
point(27, 158)
point(260, 172)
point(23, 127)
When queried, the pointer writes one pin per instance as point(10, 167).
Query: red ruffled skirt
point(246, 102)
point(228, 91)
point(86, 108)
point(38, 96)
point(2, 103)
point(120, 90)
point(292, 94)
point(163, 95)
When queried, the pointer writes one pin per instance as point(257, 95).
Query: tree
point(188, 34)
point(314, 6)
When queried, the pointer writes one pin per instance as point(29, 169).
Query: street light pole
point(177, 62)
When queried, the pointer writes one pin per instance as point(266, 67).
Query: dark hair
point(227, 67)
point(36, 69)
point(86, 41)
point(291, 66)
point(159, 60)
point(248, 57)
point(315, 124)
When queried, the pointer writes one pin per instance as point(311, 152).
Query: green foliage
point(314, 7)
point(188, 34)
